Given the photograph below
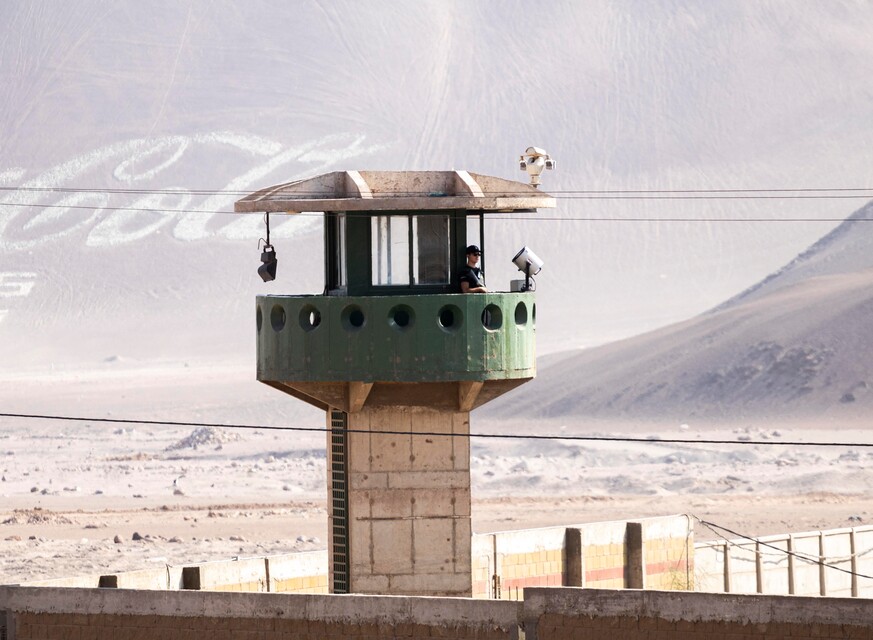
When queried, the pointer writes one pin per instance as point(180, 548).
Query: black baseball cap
point(474, 249)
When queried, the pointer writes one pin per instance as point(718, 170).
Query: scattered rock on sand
point(203, 436)
point(136, 536)
point(117, 539)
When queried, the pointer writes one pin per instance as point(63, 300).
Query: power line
point(630, 195)
point(803, 556)
point(502, 436)
point(491, 215)
point(313, 193)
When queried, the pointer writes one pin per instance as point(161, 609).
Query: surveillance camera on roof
point(535, 161)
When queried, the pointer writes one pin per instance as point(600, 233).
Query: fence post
point(575, 568)
point(791, 564)
point(822, 575)
point(636, 562)
point(759, 568)
point(727, 567)
point(854, 565)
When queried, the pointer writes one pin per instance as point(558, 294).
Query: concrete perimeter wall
point(117, 614)
point(545, 614)
point(652, 553)
point(789, 564)
point(670, 615)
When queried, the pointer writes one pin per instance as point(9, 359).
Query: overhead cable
point(501, 436)
point(491, 215)
point(802, 556)
point(422, 192)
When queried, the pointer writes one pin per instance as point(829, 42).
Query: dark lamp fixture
point(267, 270)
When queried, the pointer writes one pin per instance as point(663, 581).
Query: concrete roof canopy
point(397, 191)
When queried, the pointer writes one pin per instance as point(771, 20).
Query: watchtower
point(397, 358)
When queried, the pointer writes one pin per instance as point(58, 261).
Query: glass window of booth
point(410, 249)
point(336, 256)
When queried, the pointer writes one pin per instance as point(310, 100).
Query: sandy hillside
point(798, 347)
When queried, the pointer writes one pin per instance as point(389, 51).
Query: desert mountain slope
point(797, 346)
point(846, 249)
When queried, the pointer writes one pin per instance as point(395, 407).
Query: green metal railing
point(414, 338)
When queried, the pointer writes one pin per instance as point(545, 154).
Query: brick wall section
point(104, 614)
point(291, 573)
point(668, 552)
point(604, 565)
point(543, 568)
point(567, 614)
point(538, 557)
point(78, 627)
point(298, 573)
point(308, 584)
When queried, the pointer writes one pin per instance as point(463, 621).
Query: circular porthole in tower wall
point(310, 318)
point(353, 318)
point(450, 318)
point(277, 317)
point(492, 317)
point(401, 317)
point(521, 315)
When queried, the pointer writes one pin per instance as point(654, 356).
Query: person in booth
point(471, 276)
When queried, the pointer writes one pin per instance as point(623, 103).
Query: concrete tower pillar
point(407, 486)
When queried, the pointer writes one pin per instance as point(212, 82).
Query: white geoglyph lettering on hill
point(11, 175)
point(125, 171)
point(327, 152)
point(15, 236)
point(130, 225)
point(140, 162)
point(15, 284)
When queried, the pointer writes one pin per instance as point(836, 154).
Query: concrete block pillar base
point(407, 502)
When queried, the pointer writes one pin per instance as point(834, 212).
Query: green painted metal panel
point(412, 338)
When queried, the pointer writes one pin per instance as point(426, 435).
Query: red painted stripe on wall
point(654, 568)
point(550, 580)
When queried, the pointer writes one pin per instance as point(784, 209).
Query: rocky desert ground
point(82, 497)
